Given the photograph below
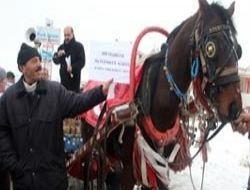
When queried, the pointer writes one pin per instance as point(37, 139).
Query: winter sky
point(104, 20)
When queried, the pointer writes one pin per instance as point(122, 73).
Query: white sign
point(48, 34)
point(110, 60)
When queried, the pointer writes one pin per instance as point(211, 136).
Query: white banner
point(110, 60)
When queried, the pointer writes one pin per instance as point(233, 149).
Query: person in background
point(71, 57)
point(10, 78)
point(31, 118)
point(2, 80)
point(242, 125)
point(4, 177)
point(44, 74)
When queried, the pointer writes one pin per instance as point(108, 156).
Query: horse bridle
point(203, 53)
point(205, 45)
point(205, 48)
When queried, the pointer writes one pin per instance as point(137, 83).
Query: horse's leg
point(122, 177)
point(87, 132)
point(113, 180)
point(86, 174)
point(161, 186)
point(127, 178)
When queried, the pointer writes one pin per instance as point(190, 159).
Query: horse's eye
point(210, 49)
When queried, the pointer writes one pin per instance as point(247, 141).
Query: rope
point(95, 134)
point(179, 94)
point(206, 139)
point(191, 178)
point(173, 86)
point(202, 178)
point(203, 174)
point(195, 68)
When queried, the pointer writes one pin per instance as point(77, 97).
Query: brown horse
point(202, 51)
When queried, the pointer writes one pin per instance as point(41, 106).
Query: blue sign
point(48, 35)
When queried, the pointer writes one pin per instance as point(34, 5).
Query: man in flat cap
point(31, 132)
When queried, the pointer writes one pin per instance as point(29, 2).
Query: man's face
point(31, 70)
point(11, 80)
point(68, 35)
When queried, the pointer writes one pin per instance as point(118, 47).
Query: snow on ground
point(224, 169)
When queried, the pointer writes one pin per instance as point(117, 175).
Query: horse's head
point(219, 53)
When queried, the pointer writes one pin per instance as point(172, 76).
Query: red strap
point(161, 138)
point(198, 93)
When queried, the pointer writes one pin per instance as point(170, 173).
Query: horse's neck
point(165, 105)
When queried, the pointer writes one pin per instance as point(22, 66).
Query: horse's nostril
point(233, 111)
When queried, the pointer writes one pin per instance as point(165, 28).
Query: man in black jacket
point(71, 57)
point(31, 119)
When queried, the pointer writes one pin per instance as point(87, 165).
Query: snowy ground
point(224, 170)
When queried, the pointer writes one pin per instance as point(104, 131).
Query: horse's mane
point(173, 34)
point(151, 67)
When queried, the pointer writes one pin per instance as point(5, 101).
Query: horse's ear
point(231, 9)
point(202, 5)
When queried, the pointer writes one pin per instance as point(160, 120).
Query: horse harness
point(204, 51)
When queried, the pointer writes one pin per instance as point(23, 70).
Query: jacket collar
point(40, 89)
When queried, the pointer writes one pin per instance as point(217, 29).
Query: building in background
point(245, 85)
